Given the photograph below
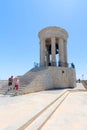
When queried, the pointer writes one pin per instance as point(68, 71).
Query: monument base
point(51, 78)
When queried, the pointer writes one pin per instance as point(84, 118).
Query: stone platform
point(45, 78)
point(64, 109)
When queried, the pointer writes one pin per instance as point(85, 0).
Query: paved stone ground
point(17, 110)
point(72, 114)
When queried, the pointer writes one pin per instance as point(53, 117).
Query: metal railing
point(57, 64)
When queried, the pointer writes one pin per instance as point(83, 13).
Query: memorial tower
point(53, 54)
point(54, 71)
point(53, 47)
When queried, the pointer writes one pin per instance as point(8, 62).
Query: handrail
point(57, 64)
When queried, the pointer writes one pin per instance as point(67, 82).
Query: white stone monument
point(53, 54)
point(54, 71)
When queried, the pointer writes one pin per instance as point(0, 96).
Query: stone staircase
point(25, 81)
point(28, 77)
point(3, 83)
point(38, 79)
point(4, 90)
point(33, 80)
point(3, 86)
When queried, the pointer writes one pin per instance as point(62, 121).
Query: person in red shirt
point(10, 82)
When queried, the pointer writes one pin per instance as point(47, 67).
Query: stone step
point(28, 77)
point(12, 91)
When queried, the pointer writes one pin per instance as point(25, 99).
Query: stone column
point(53, 51)
point(42, 53)
point(61, 52)
point(46, 56)
point(48, 59)
point(65, 53)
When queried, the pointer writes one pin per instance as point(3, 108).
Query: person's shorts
point(10, 83)
point(16, 86)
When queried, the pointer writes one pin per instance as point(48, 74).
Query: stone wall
point(51, 78)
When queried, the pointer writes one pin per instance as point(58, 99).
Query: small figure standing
point(17, 85)
point(10, 82)
point(79, 80)
point(73, 66)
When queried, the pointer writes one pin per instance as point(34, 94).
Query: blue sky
point(20, 22)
